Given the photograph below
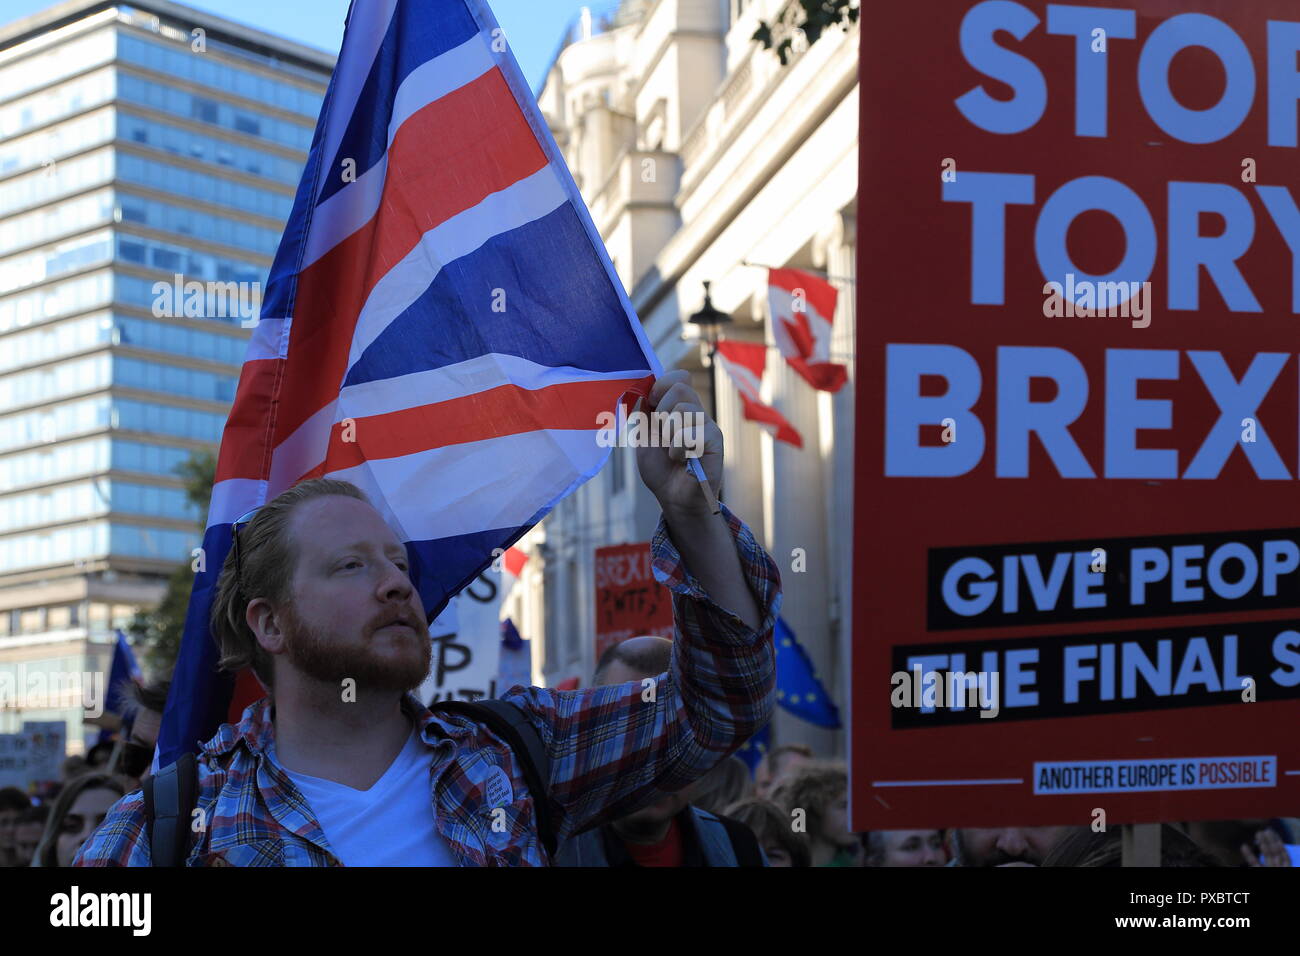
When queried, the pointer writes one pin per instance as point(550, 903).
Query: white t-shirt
point(391, 824)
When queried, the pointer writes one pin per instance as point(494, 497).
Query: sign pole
point(1141, 844)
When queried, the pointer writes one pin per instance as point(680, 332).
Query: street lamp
point(710, 321)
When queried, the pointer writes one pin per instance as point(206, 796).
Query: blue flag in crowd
point(441, 290)
point(798, 689)
point(516, 663)
point(123, 671)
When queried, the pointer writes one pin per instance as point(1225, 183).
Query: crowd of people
point(790, 811)
point(340, 763)
point(49, 830)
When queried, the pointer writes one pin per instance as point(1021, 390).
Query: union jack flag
point(441, 325)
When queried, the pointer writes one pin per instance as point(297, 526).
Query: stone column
point(796, 518)
point(836, 252)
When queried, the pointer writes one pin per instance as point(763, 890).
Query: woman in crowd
point(781, 844)
point(79, 808)
point(815, 799)
point(905, 848)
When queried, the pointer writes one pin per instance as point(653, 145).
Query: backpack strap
point(170, 796)
point(512, 725)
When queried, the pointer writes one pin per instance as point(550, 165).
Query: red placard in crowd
point(629, 601)
point(1078, 571)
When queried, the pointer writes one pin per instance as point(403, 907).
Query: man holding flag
point(341, 764)
point(441, 330)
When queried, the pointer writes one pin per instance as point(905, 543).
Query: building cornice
point(216, 27)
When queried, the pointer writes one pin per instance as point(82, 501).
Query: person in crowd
point(27, 833)
point(1256, 842)
point(98, 757)
point(818, 794)
point(1082, 846)
point(12, 804)
point(72, 767)
point(1004, 846)
point(781, 844)
point(778, 763)
point(670, 831)
point(79, 808)
point(144, 706)
point(341, 764)
point(725, 784)
point(904, 848)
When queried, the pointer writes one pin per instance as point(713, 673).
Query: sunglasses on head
point(238, 523)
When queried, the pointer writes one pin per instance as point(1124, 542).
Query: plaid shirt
point(610, 750)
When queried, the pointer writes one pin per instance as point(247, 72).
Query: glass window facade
point(161, 296)
point(173, 380)
point(151, 418)
point(29, 268)
point(103, 159)
point(93, 89)
point(104, 328)
point(180, 340)
point(55, 463)
point(188, 184)
point(86, 457)
point(174, 259)
point(62, 60)
point(190, 222)
point(52, 182)
point(89, 499)
point(93, 372)
point(218, 150)
point(44, 425)
point(58, 546)
point(166, 99)
point(92, 540)
point(161, 544)
point(50, 145)
point(181, 62)
point(55, 381)
point(51, 222)
point(51, 302)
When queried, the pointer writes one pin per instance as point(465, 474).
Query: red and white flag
point(803, 308)
point(512, 565)
point(744, 362)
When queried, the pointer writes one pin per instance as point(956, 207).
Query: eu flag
point(797, 688)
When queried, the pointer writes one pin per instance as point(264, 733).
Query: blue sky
point(532, 27)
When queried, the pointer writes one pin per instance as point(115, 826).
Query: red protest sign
point(629, 601)
point(1077, 562)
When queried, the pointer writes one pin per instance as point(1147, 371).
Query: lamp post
point(710, 320)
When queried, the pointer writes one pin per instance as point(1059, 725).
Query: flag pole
point(693, 464)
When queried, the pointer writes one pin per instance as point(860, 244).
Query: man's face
point(913, 848)
point(995, 847)
point(26, 836)
point(7, 820)
point(353, 612)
